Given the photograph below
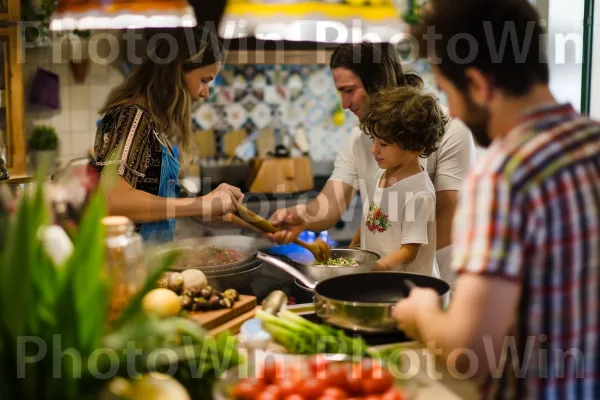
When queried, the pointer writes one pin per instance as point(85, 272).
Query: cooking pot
point(237, 275)
point(361, 302)
point(365, 259)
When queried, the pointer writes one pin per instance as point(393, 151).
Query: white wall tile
point(66, 144)
point(65, 98)
point(98, 95)
point(62, 121)
point(97, 74)
point(81, 143)
point(80, 97)
point(63, 71)
point(80, 120)
point(115, 77)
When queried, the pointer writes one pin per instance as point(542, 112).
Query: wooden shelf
point(13, 103)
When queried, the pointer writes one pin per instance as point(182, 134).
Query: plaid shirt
point(530, 213)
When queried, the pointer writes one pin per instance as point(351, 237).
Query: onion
point(194, 279)
point(161, 302)
point(157, 386)
point(176, 282)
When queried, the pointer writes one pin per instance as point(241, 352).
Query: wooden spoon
point(319, 249)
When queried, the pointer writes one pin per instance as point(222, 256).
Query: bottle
point(124, 261)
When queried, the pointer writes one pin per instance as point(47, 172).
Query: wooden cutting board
point(213, 319)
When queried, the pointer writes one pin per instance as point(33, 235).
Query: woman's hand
point(223, 200)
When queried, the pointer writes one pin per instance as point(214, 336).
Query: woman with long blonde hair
point(140, 117)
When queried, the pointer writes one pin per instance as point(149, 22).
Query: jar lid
point(117, 225)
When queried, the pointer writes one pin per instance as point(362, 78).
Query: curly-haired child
point(398, 219)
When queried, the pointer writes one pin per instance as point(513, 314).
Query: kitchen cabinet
point(12, 135)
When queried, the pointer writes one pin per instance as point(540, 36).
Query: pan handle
point(409, 285)
point(289, 269)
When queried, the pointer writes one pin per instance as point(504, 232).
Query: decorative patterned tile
point(249, 102)
point(284, 98)
point(224, 95)
point(316, 115)
point(205, 117)
point(259, 93)
point(259, 81)
point(239, 82)
point(239, 94)
point(295, 82)
point(318, 83)
point(236, 115)
point(261, 116)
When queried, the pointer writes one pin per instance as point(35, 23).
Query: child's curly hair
point(406, 116)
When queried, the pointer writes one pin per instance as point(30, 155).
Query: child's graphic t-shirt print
point(377, 220)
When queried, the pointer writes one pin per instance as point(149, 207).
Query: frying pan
point(361, 302)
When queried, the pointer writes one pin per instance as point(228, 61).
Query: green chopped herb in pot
point(340, 262)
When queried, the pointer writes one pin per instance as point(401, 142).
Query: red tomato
point(294, 397)
point(335, 393)
point(328, 398)
point(393, 394)
point(336, 376)
point(287, 388)
point(275, 389)
point(372, 397)
point(311, 388)
point(271, 370)
point(317, 365)
point(267, 396)
point(370, 368)
point(377, 386)
point(247, 389)
point(354, 385)
point(292, 373)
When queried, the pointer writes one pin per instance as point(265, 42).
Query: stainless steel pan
point(360, 302)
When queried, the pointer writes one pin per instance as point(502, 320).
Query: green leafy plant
point(53, 318)
point(43, 138)
point(37, 19)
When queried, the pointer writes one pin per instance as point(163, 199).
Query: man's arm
point(482, 310)
point(445, 207)
point(488, 289)
point(327, 208)
point(319, 214)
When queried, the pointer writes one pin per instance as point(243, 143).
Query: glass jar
point(124, 261)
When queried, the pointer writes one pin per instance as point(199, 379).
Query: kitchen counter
point(426, 377)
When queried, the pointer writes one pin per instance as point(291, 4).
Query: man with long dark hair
point(360, 70)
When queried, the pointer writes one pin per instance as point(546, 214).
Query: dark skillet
point(361, 302)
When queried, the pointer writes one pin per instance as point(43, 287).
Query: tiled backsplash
point(75, 121)
point(252, 97)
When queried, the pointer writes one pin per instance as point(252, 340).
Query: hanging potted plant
point(43, 144)
point(79, 61)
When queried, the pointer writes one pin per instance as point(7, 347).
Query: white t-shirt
point(447, 167)
point(402, 213)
